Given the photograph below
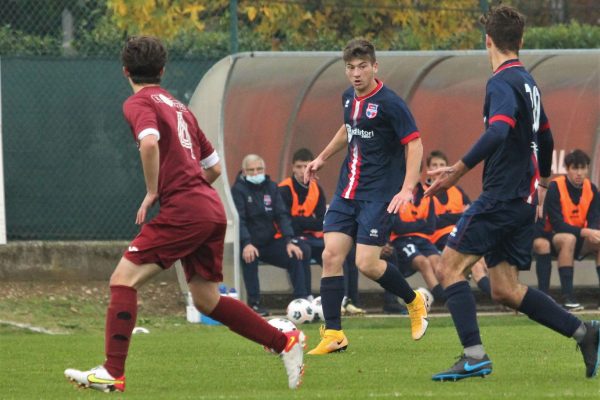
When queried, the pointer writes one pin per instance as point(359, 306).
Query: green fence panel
point(72, 169)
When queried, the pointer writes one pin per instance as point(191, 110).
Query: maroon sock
point(120, 321)
point(242, 320)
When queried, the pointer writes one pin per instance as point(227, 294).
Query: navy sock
point(461, 303)
point(543, 309)
point(484, 286)
point(543, 268)
point(393, 281)
point(566, 280)
point(332, 293)
point(438, 293)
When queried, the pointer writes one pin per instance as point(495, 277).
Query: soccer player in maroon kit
point(179, 165)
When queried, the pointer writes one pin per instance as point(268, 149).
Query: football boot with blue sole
point(466, 367)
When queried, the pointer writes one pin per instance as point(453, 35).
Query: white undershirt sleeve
point(210, 160)
point(146, 132)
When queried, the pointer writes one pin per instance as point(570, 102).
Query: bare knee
point(369, 266)
point(541, 246)
point(565, 242)
point(332, 261)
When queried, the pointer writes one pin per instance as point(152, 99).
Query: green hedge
point(571, 36)
point(106, 40)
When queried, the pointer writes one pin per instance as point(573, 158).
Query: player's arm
point(150, 157)
point(339, 142)
point(212, 173)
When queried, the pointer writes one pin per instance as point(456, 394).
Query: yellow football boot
point(417, 311)
point(331, 341)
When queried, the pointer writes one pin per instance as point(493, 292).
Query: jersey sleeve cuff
point(148, 131)
point(210, 161)
point(410, 137)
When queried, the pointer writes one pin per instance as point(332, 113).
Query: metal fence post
point(233, 29)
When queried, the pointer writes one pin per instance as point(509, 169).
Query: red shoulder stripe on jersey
point(544, 127)
point(504, 118)
point(410, 137)
point(509, 65)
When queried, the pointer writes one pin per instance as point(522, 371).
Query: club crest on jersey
point(267, 199)
point(371, 110)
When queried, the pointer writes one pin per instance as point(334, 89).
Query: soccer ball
point(318, 309)
point(300, 311)
point(428, 297)
point(283, 325)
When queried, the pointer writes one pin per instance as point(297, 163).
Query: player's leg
point(120, 321)
point(333, 339)
point(203, 270)
point(565, 244)
point(543, 262)
point(479, 273)
point(275, 253)
point(589, 248)
point(351, 301)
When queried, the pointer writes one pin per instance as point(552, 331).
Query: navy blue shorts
point(412, 246)
point(366, 221)
point(499, 230)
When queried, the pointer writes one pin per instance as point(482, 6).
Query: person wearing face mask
point(266, 232)
point(573, 215)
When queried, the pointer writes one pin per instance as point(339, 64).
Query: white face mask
point(256, 179)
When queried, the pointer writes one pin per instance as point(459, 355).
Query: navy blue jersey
point(512, 97)
point(378, 126)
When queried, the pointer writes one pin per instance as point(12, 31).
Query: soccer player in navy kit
point(179, 164)
point(517, 148)
point(383, 145)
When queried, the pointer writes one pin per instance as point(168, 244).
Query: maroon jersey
point(184, 194)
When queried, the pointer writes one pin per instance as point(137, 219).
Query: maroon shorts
point(199, 246)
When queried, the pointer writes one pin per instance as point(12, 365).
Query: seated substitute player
point(517, 148)
point(449, 206)
point(307, 206)
point(573, 211)
point(411, 230)
point(190, 225)
point(384, 154)
point(266, 232)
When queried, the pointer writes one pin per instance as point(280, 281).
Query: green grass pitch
point(178, 360)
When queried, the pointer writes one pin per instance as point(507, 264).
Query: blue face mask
point(256, 179)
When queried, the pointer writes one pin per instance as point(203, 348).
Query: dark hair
point(577, 158)
point(436, 154)
point(144, 57)
point(303, 154)
point(359, 48)
point(504, 24)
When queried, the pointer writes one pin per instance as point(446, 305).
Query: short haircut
point(505, 25)
point(303, 154)
point(144, 57)
point(250, 158)
point(577, 158)
point(436, 154)
point(361, 49)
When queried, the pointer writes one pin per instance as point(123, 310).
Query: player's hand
point(446, 177)
point(403, 197)
point(541, 192)
point(294, 251)
point(250, 253)
point(386, 251)
point(593, 235)
point(148, 201)
point(311, 170)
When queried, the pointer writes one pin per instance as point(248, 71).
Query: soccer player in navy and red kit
point(190, 225)
point(383, 146)
point(517, 148)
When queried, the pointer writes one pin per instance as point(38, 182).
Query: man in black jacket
point(266, 232)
